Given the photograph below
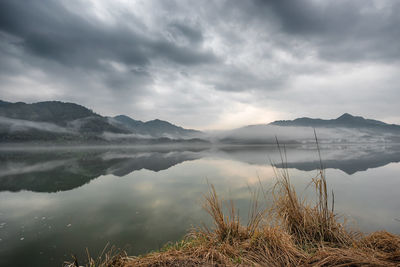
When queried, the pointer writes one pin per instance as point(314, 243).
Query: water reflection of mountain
point(350, 165)
point(350, 158)
point(47, 171)
point(61, 170)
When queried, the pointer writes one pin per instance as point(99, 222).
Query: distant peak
point(345, 116)
point(159, 121)
point(122, 116)
point(125, 118)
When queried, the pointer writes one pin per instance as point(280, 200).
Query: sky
point(205, 64)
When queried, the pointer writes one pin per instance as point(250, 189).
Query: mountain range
point(153, 128)
point(345, 121)
point(344, 129)
point(69, 122)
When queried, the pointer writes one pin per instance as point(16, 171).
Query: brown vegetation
point(291, 233)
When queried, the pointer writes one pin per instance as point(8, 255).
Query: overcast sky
point(205, 64)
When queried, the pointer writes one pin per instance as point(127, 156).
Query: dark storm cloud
point(48, 30)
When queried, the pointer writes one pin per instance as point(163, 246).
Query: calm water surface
point(57, 202)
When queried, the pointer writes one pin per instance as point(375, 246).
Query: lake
point(55, 202)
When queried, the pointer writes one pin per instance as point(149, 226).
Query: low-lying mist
point(267, 134)
point(79, 131)
point(16, 125)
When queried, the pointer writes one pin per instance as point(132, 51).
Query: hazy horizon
point(43, 124)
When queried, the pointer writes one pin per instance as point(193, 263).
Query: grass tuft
point(310, 225)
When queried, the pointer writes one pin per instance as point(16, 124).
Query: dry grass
point(310, 225)
point(110, 256)
point(228, 228)
point(293, 232)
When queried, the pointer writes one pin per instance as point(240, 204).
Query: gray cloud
point(340, 30)
point(191, 34)
point(194, 63)
point(47, 29)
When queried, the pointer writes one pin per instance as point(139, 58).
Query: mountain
point(344, 129)
point(58, 121)
point(49, 111)
point(345, 121)
point(155, 128)
point(128, 121)
point(69, 117)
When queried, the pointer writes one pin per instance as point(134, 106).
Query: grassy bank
point(293, 232)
